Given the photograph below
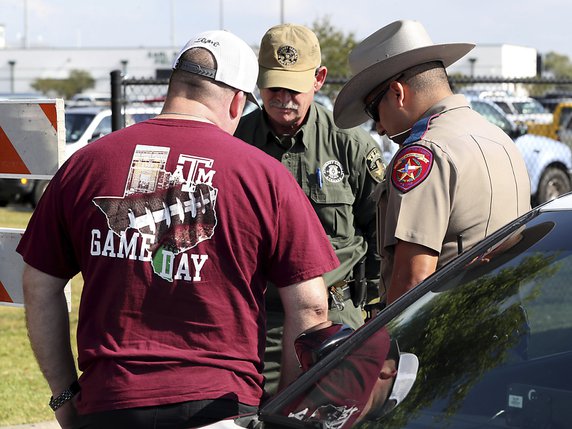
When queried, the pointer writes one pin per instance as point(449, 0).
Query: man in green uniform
point(337, 169)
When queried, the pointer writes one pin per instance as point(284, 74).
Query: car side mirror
point(314, 344)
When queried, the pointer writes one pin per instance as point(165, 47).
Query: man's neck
point(288, 130)
point(284, 130)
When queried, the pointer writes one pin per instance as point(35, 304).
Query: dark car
point(485, 342)
point(12, 190)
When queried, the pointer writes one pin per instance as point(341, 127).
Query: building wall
point(510, 61)
point(31, 64)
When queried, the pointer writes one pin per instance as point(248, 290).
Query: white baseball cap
point(236, 63)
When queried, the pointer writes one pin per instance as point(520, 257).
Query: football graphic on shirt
point(172, 211)
point(178, 219)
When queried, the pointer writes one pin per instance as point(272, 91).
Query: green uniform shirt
point(338, 170)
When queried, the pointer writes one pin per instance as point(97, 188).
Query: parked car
point(560, 128)
point(522, 110)
point(484, 342)
point(90, 99)
point(86, 124)
point(83, 126)
point(551, 99)
point(13, 190)
point(548, 161)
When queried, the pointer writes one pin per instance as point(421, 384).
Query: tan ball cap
point(288, 58)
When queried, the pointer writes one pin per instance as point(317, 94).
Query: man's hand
point(67, 415)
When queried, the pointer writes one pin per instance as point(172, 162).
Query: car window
point(529, 107)
point(492, 115)
point(76, 124)
point(492, 339)
point(504, 106)
point(103, 128)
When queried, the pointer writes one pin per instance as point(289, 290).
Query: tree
point(557, 64)
point(78, 81)
point(335, 47)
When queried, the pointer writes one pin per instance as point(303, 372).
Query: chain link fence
point(535, 112)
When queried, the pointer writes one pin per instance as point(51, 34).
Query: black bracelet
point(65, 396)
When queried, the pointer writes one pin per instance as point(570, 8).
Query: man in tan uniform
point(455, 179)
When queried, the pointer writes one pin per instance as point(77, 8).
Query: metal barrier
point(130, 91)
point(32, 145)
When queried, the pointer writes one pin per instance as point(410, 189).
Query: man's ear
point(237, 104)
point(397, 89)
point(388, 370)
point(320, 78)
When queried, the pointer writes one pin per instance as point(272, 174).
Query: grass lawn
point(24, 394)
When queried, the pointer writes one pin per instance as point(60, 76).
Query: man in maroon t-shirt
point(176, 227)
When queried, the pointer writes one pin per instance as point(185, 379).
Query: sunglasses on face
point(371, 108)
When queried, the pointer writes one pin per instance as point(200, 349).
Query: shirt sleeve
point(46, 244)
point(302, 250)
point(371, 170)
point(420, 214)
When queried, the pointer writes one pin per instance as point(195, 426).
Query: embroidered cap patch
point(411, 167)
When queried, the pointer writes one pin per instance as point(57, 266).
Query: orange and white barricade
point(32, 145)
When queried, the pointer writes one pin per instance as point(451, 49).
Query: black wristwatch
point(65, 396)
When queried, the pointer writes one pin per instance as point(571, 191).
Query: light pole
point(472, 61)
point(221, 15)
point(26, 24)
point(124, 67)
point(12, 63)
point(281, 11)
point(172, 23)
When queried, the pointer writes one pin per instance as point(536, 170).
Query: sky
point(543, 25)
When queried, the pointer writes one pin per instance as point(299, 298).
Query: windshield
point(492, 335)
point(528, 107)
point(76, 124)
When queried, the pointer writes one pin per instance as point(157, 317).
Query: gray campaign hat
point(384, 54)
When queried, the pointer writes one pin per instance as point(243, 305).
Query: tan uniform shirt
point(457, 177)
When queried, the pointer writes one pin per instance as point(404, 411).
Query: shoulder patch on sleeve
point(411, 167)
point(375, 165)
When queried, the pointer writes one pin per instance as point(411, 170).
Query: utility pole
point(172, 23)
point(25, 37)
point(12, 63)
point(281, 11)
point(221, 15)
point(472, 62)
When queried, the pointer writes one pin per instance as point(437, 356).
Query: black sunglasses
point(370, 108)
